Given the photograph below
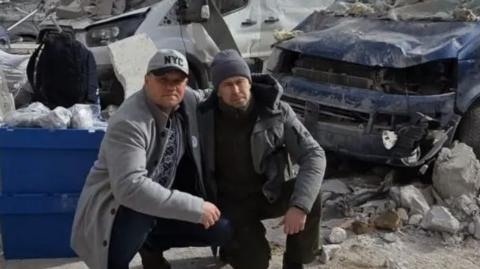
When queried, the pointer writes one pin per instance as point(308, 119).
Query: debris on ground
point(440, 219)
point(337, 235)
point(281, 35)
point(328, 251)
point(388, 220)
point(456, 172)
point(394, 209)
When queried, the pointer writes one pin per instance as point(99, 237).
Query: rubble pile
point(449, 207)
point(408, 9)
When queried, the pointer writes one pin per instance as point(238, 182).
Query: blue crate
point(37, 226)
point(46, 161)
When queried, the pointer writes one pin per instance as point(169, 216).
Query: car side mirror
point(193, 11)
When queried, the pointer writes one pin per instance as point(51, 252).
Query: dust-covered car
point(199, 29)
point(390, 85)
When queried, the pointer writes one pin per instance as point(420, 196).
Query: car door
point(242, 18)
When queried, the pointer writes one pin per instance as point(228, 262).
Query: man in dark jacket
point(249, 137)
point(146, 192)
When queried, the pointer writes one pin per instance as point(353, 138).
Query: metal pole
point(23, 19)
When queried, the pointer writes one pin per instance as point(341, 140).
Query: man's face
point(166, 90)
point(235, 91)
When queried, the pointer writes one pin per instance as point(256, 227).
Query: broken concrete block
point(456, 172)
point(451, 239)
point(402, 213)
point(428, 195)
point(389, 220)
point(415, 219)
point(440, 219)
point(476, 231)
point(471, 228)
point(413, 199)
point(328, 252)
point(335, 186)
point(394, 193)
point(389, 237)
point(337, 235)
point(130, 58)
point(376, 206)
point(360, 227)
point(467, 205)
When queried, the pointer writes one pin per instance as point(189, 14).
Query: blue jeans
point(133, 230)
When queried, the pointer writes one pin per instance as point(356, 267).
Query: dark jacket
point(277, 137)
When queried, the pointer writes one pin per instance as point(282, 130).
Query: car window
point(225, 6)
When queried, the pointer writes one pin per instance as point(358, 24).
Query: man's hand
point(210, 214)
point(294, 220)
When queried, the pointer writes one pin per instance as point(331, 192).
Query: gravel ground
point(413, 249)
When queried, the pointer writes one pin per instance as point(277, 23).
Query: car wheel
point(469, 129)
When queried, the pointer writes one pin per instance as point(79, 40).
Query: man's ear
point(145, 79)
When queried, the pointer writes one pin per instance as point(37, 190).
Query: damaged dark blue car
point(382, 90)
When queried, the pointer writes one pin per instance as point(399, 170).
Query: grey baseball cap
point(165, 60)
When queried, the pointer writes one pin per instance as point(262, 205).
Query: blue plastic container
point(46, 161)
point(37, 226)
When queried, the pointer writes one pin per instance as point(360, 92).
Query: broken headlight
point(413, 158)
point(104, 34)
point(389, 139)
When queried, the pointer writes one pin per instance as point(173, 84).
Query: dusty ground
point(414, 249)
point(410, 247)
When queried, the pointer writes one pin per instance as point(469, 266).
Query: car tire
point(469, 129)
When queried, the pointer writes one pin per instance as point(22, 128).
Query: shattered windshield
point(430, 10)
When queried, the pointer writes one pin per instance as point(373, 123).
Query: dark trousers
point(249, 249)
point(132, 231)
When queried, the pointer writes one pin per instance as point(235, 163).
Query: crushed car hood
point(377, 42)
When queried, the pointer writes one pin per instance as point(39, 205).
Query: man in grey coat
point(250, 136)
point(146, 193)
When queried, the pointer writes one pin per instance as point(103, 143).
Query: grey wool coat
point(277, 138)
point(133, 144)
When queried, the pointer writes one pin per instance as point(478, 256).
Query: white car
point(200, 28)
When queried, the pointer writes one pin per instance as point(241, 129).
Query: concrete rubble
point(130, 63)
point(476, 227)
point(402, 214)
point(328, 252)
point(440, 219)
point(389, 220)
point(415, 219)
point(411, 198)
point(337, 235)
point(465, 206)
point(456, 172)
point(389, 237)
point(360, 227)
point(335, 186)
